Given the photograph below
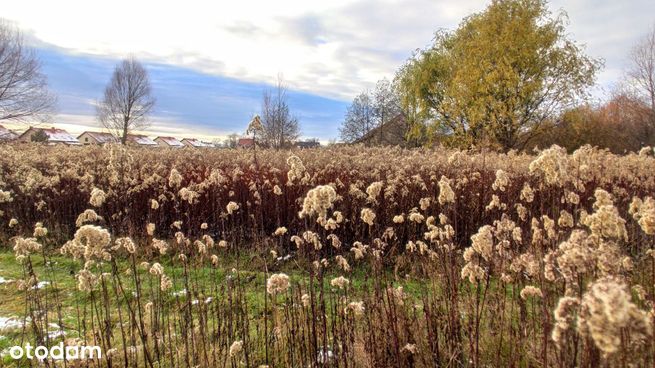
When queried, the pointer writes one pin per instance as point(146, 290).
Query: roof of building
point(101, 137)
point(141, 140)
point(390, 133)
point(245, 142)
point(195, 142)
point(55, 135)
point(307, 144)
point(6, 134)
point(170, 141)
point(60, 135)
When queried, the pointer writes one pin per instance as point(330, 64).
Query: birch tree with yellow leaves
point(496, 78)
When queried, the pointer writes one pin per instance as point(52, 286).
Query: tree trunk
point(124, 136)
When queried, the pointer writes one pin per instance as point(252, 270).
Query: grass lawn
point(59, 274)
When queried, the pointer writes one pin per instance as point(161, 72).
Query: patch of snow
point(324, 357)
point(180, 293)
point(10, 323)
point(285, 258)
point(41, 285)
point(56, 334)
point(207, 301)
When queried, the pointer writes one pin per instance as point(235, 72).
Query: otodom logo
point(55, 352)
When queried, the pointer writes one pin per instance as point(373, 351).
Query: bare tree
point(359, 120)
point(369, 111)
point(386, 103)
point(127, 101)
point(231, 141)
point(641, 77)
point(24, 95)
point(642, 71)
point(280, 127)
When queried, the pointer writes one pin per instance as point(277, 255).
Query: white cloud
point(332, 48)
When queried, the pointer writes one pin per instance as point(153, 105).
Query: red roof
point(55, 135)
point(101, 137)
point(141, 140)
point(246, 142)
point(170, 141)
point(195, 142)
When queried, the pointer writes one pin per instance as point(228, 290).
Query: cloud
point(330, 48)
point(608, 30)
point(210, 60)
point(333, 49)
point(308, 29)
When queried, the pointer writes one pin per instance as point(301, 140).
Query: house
point(192, 142)
point(245, 143)
point(140, 140)
point(97, 138)
point(53, 136)
point(7, 135)
point(169, 142)
point(307, 144)
point(391, 133)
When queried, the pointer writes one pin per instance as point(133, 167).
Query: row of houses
point(61, 136)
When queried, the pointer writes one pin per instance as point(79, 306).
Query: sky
point(210, 61)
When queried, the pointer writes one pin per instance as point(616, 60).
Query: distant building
point(307, 144)
point(97, 138)
point(245, 143)
point(140, 140)
point(169, 142)
point(391, 133)
point(192, 142)
point(54, 136)
point(7, 135)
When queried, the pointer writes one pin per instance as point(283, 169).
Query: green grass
point(61, 271)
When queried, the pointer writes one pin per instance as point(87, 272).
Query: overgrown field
point(339, 257)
